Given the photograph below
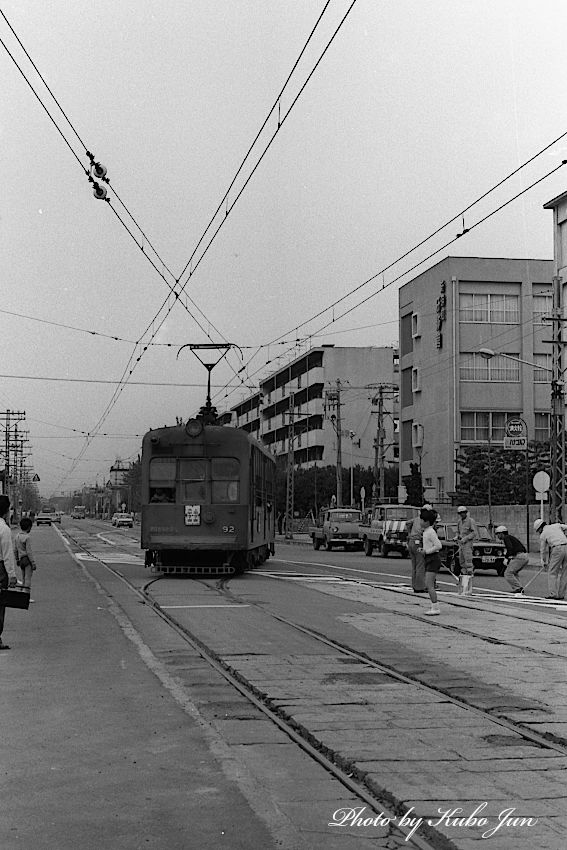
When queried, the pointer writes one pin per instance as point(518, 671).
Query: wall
point(512, 516)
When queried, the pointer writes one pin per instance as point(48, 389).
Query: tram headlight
point(194, 428)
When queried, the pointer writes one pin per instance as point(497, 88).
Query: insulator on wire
point(99, 170)
point(100, 192)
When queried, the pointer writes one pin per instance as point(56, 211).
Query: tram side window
point(225, 475)
point(162, 479)
point(193, 478)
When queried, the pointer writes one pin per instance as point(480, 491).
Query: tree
point(414, 485)
point(505, 470)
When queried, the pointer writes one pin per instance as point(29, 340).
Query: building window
point(417, 435)
point(441, 495)
point(428, 482)
point(415, 379)
point(542, 427)
point(542, 375)
point(542, 306)
point(475, 425)
point(406, 340)
point(474, 367)
point(415, 325)
point(496, 309)
point(299, 382)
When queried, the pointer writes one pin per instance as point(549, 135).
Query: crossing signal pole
point(557, 418)
point(290, 480)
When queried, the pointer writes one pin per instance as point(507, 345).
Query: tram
point(207, 499)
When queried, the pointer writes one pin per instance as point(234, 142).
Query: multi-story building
point(325, 390)
point(451, 394)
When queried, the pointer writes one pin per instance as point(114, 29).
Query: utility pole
point(333, 398)
point(290, 483)
point(381, 436)
point(339, 448)
point(8, 416)
point(557, 419)
point(380, 440)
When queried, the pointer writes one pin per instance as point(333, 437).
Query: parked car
point(45, 518)
point(488, 554)
point(122, 520)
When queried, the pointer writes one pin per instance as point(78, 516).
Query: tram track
point(353, 780)
point(345, 771)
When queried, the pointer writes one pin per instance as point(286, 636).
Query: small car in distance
point(123, 520)
point(488, 554)
point(45, 518)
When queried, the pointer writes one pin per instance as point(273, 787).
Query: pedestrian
point(466, 533)
point(553, 553)
point(7, 561)
point(23, 553)
point(430, 548)
point(417, 558)
point(516, 556)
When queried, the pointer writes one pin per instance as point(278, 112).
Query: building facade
point(450, 394)
point(325, 391)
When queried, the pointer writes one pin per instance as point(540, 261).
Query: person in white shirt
point(553, 553)
point(431, 547)
point(7, 560)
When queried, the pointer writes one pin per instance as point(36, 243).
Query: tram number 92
point(228, 529)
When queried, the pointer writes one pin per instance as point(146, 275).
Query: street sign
point(36, 478)
point(541, 482)
point(516, 428)
point(517, 444)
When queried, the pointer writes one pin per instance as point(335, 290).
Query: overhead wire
point(407, 271)
point(281, 121)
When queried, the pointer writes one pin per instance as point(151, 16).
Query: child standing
point(23, 553)
point(431, 548)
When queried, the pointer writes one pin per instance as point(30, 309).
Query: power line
point(412, 268)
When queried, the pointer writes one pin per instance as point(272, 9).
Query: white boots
point(434, 610)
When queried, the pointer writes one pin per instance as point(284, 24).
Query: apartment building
point(450, 394)
point(326, 390)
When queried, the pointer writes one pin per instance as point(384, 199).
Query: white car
point(123, 521)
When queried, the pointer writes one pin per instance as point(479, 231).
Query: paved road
point(122, 738)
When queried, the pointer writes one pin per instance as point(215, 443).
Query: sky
point(387, 131)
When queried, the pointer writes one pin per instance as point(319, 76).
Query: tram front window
point(162, 480)
point(193, 476)
point(225, 474)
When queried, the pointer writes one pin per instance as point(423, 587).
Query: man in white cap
point(466, 533)
point(553, 552)
point(516, 555)
point(417, 558)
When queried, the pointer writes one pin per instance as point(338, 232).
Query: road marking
point(109, 557)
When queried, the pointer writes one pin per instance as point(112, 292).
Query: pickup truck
point(337, 527)
point(387, 529)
